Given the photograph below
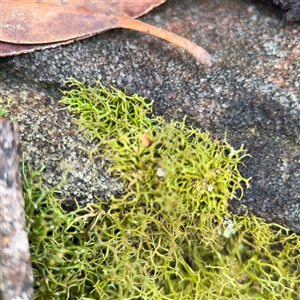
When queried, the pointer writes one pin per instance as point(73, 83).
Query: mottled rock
point(16, 280)
point(290, 9)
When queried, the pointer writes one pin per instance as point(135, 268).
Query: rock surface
point(290, 9)
point(16, 278)
point(251, 92)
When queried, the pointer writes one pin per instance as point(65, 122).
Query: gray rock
point(251, 92)
point(290, 9)
point(16, 278)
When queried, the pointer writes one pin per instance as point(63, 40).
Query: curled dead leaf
point(29, 25)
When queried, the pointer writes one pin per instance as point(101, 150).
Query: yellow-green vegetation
point(170, 235)
point(4, 107)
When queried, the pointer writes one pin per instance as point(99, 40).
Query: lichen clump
point(170, 235)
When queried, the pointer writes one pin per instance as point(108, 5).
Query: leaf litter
point(29, 25)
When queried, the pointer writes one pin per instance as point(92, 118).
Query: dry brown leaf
point(28, 25)
point(145, 140)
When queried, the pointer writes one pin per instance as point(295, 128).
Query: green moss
point(170, 235)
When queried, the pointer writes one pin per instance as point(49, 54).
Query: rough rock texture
point(16, 278)
point(289, 8)
point(251, 92)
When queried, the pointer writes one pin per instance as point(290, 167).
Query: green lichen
point(170, 235)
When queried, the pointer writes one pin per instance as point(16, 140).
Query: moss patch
point(170, 235)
